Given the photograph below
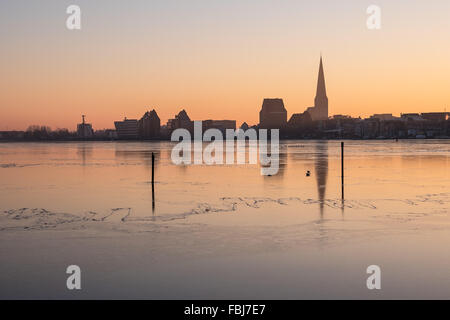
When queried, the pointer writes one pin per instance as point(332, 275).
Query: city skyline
point(272, 110)
point(172, 56)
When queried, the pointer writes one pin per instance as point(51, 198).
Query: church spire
point(320, 110)
point(321, 90)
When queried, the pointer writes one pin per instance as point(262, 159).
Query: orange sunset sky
point(218, 59)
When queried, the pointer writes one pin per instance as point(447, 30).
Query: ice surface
point(213, 229)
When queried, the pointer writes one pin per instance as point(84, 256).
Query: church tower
point(321, 99)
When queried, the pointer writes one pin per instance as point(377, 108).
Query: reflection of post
point(342, 169)
point(153, 167)
point(153, 182)
point(153, 198)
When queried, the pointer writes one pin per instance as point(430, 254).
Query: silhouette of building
point(299, 119)
point(181, 120)
point(299, 125)
point(273, 115)
point(12, 135)
point(127, 129)
point(244, 126)
point(384, 117)
point(411, 117)
point(436, 116)
point(222, 125)
point(84, 130)
point(149, 125)
point(105, 134)
point(320, 109)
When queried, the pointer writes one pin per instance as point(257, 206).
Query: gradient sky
point(218, 59)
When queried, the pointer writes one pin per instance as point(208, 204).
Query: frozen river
point(225, 231)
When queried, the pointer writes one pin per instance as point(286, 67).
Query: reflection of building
point(127, 129)
point(85, 152)
point(273, 115)
point(222, 125)
point(321, 170)
point(149, 125)
point(320, 109)
point(84, 130)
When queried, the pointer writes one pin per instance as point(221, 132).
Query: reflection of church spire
point(321, 169)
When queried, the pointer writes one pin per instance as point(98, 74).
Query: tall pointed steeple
point(320, 110)
point(321, 90)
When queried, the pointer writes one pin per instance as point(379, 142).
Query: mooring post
point(342, 168)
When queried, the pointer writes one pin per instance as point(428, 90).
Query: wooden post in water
point(342, 168)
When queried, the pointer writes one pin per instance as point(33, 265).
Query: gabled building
point(181, 120)
point(299, 119)
point(149, 125)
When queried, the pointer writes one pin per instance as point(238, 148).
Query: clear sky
point(218, 58)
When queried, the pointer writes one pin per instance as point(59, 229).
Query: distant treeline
point(40, 133)
point(36, 132)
